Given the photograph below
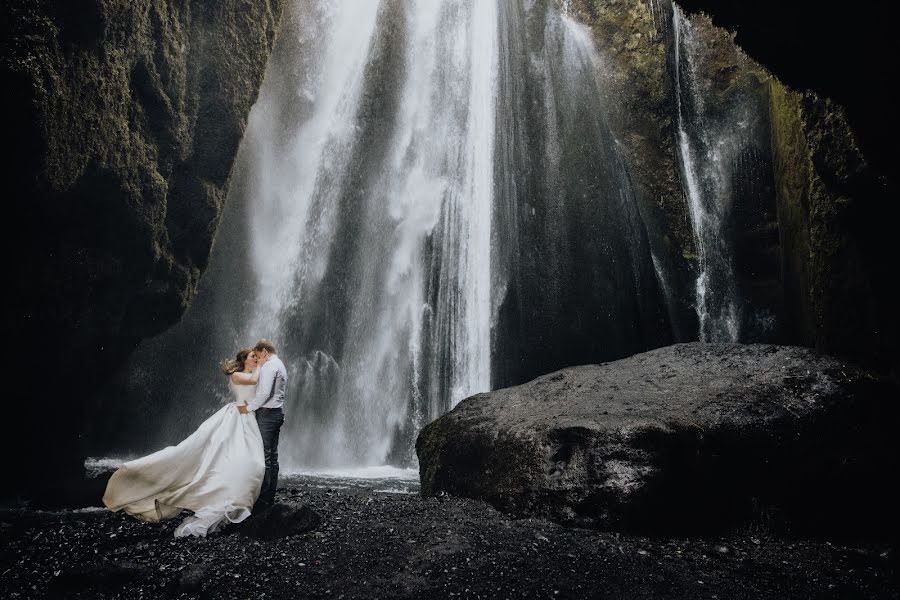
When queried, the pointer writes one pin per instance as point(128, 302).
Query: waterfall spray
point(705, 153)
point(372, 232)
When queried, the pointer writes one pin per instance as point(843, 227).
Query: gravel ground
point(382, 540)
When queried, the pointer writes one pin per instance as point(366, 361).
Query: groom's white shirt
point(271, 386)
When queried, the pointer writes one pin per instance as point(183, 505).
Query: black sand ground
point(375, 544)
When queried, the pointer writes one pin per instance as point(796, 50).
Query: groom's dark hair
point(264, 344)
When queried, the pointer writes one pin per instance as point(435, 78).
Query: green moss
point(639, 96)
point(794, 187)
point(823, 185)
point(821, 181)
point(120, 109)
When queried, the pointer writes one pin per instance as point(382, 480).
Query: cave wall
point(834, 132)
point(837, 259)
point(639, 95)
point(818, 250)
point(124, 118)
point(843, 55)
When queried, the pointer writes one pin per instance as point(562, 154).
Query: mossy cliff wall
point(839, 54)
point(816, 251)
point(837, 264)
point(640, 99)
point(636, 41)
point(835, 162)
point(124, 120)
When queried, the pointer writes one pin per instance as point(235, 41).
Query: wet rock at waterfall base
point(280, 520)
point(691, 437)
point(192, 577)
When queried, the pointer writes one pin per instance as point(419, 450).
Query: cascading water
point(726, 170)
point(658, 14)
point(429, 202)
point(704, 164)
point(372, 230)
point(357, 235)
point(579, 283)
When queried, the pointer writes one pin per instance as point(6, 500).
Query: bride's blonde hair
point(232, 365)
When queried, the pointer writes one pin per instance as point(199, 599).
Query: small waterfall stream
point(726, 170)
point(704, 166)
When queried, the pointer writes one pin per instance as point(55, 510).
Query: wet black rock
point(193, 576)
point(281, 520)
point(690, 437)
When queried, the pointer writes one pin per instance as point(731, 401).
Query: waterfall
point(704, 155)
point(464, 298)
point(579, 283)
point(725, 161)
point(371, 232)
point(658, 14)
point(428, 203)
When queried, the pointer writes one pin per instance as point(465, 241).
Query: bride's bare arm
point(240, 378)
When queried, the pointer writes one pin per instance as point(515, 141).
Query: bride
point(216, 472)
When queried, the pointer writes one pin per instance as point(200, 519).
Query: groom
point(269, 415)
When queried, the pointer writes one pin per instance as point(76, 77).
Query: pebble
point(464, 547)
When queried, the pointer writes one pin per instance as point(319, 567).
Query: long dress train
point(216, 472)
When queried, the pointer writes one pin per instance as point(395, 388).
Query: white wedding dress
point(216, 472)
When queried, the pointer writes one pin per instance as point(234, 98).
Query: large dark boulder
point(690, 437)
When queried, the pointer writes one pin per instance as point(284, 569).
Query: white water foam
point(379, 472)
point(92, 463)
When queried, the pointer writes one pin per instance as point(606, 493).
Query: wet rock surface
point(127, 120)
point(820, 254)
point(374, 544)
point(691, 437)
point(796, 41)
point(280, 520)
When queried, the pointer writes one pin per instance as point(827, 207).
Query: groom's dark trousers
point(269, 421)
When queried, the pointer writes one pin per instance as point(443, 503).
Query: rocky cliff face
point(834, 160)
point(813, 248)
point(125, 118)
point(837, 261)
point(640, 96)
point(837, 53)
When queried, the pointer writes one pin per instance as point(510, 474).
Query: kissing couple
point(225, 470)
